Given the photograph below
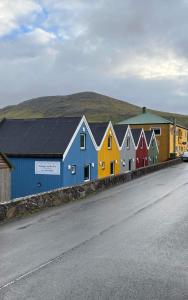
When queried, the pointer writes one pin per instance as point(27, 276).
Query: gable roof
point(146, 118)
point(120, 131)
point(43, 137)
point(148, 135)
point(136, 132)
point(98, 130)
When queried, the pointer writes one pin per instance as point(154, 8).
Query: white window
point(142, 142)
point(82, 141)
point(73, 169)
point(128, 143)
point(103, 165)
point(157, 130)
point(109, 142)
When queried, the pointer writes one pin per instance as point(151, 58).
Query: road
point(128, 242)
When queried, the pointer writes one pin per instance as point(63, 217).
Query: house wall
point(25, 182)
point(162, 140)
point(181, 139)
point(141, 153)
point(153, 154)
point(108, 155)
point(5, 183)
point(126, 155)
point(80, 158)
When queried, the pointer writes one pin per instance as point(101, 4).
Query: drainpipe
point(174, 122)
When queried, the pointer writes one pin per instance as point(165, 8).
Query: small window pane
point(109, 142)
point(82, 141)
point(73, 169)
point(157, 131)
point(128, 143)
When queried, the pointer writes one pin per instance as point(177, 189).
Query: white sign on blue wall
point(47, 168)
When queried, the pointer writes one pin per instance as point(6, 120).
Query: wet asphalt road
point(129, 242)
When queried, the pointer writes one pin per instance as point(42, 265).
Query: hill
point(95, 106)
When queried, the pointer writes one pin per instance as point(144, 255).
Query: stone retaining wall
point(30, 204)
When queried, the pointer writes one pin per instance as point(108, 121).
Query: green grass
point(95, 106)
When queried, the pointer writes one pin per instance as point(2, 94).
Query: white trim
point(112, 162)
point(153, 137)
point(83, 120)
point(142, 132)
point(112, 133)
point(83, 134)
point(152, 129)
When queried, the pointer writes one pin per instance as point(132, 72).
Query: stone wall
point(30, 204)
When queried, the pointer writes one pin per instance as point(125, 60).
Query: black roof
point(148, 135)
point(40, 137)
point(98, 130)
point(120, 131)
point(136, 134)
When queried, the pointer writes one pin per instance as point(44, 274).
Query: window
point(157, 130)
point(82, 141)
point(103, 165)
point(87, 172)
point(112, 167)
point(73, 169)
point(109, 142)
point(128, 143)
point(152, 143)
point(142, 143)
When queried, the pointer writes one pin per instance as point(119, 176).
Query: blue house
point(48, 153)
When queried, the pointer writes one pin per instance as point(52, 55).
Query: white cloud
point(131, 49)
point(12, 13)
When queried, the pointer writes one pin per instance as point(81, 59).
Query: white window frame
point(73, 169)
point(83, 147)
point(109, 138)
point(88, 165)
point(156, 128)
point(128, 142)
point(112, 162)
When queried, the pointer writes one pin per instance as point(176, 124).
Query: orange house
point(108, 149)
point(171, 138)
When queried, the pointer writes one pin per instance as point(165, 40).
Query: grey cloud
point(91, 42)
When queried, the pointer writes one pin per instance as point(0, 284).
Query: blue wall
point(79, 157)
point(24, 181)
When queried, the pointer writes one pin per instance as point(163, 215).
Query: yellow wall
point(107, 155)
point(162, 140)
point(181, 139)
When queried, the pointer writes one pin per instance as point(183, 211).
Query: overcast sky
point(134, 50)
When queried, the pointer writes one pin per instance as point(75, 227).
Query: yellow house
point(181, 136)
point(108, 149)
point(171, 138)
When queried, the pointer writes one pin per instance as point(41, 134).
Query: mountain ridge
point(95, 106)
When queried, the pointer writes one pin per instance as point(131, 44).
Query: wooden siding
point(162, 140)
point(5, 180)
point(106, 156)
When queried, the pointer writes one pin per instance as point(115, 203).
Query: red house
point(140, 147)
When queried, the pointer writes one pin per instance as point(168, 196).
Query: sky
point(133, 50)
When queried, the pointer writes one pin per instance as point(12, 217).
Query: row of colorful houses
point(171, 137)
point(58, 152)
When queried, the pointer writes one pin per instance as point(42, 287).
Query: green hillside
point(95, 106)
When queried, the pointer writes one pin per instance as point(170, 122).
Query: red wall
point(141, 153)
